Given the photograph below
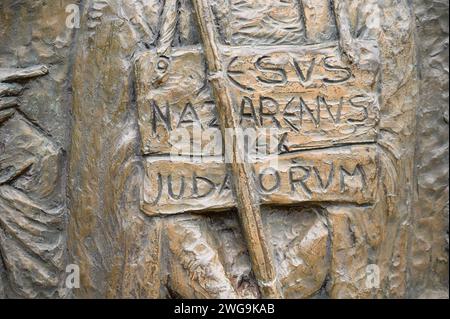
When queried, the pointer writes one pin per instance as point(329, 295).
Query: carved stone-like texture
point(32, 212)
point(34, 135)
point(429, 248)
point(87, 106)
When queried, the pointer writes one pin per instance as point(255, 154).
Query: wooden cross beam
point(244, 186)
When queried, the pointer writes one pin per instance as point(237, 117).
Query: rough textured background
point(429, 247)
point(34, 32)
point(117, 248)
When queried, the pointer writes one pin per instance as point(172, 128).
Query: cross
point(349, 175)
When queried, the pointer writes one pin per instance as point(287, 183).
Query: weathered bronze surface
point(122, 149)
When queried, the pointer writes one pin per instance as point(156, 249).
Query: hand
point(9, 90)
point(161, 71)
point(32, 209)
point(349, 48)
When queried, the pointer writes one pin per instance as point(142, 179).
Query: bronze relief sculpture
point(162, 200)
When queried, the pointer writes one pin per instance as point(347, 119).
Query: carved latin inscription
point(344, 174)
point(302, 97)
point(307, 96)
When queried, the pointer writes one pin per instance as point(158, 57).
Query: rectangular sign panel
point(307, 96)
point(342, 174)
point(315, 106)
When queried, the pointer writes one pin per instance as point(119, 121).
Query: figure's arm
point(14, 163)
point(9, 91)
point(31, 205)
point(18, 74)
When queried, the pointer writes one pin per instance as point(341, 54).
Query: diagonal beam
point(243, 184)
